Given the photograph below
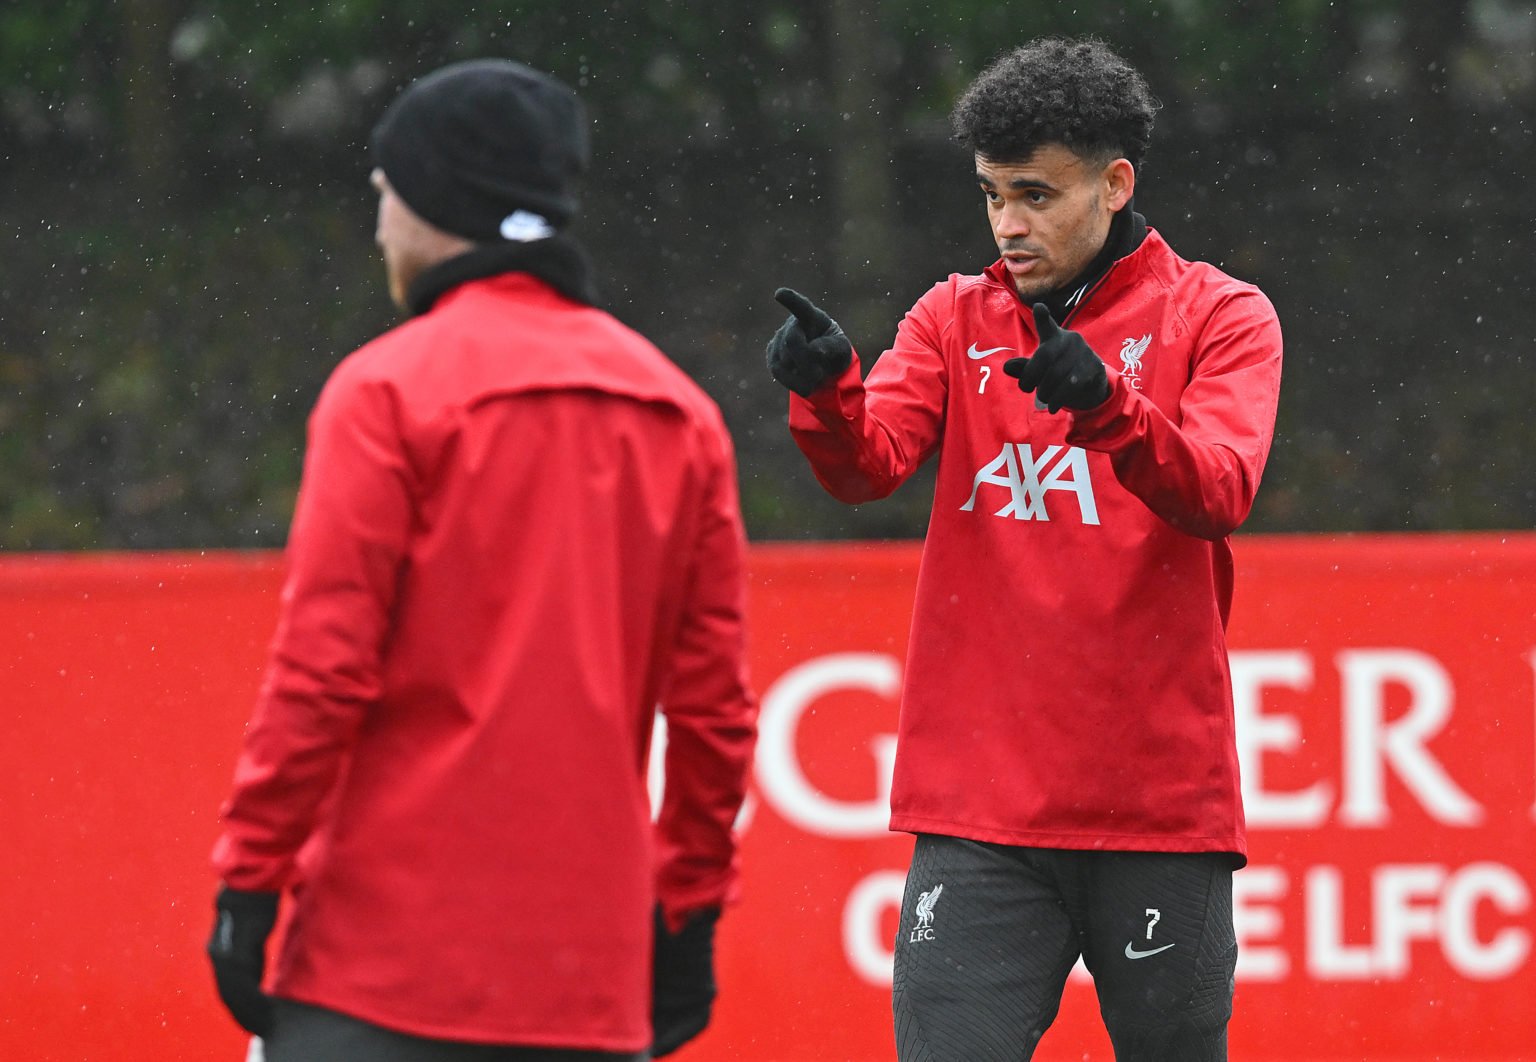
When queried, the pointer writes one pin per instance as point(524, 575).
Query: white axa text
point(1019, 471)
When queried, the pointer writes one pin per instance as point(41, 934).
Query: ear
point(1120, 183)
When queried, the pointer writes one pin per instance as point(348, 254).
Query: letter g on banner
point(779, 775)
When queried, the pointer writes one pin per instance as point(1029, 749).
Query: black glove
point(683, 980)
point(1064, 371)
point(238, 950)
point(809, 348)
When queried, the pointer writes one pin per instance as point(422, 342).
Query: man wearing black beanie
point(517, 534)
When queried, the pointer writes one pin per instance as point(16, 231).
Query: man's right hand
point(682, 980)
point(809, 348)
point(238, 950)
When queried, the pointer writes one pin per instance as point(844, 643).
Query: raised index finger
point(811, 317)
point(1045, 324)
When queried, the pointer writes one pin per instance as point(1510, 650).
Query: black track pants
point(301, 1033)
point(989, 932)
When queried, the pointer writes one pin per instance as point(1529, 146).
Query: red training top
point(1067, 683)
point(517, 534)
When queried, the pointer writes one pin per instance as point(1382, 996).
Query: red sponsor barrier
point(1386, 695)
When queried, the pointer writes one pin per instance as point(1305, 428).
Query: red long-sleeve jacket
point(1067, 683)
point(517, 535)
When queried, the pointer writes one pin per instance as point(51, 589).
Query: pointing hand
point(1064, 371)
point(809, 348)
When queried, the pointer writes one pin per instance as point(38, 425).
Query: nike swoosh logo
point(1132, 953)
point(977, 355)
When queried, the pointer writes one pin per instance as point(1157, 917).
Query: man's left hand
point(238, 950)
point(1064, 371)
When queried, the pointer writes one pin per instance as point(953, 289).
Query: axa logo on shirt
point(1027, 479)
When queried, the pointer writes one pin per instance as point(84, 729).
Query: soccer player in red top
point(516, 536)
point(1100, 410)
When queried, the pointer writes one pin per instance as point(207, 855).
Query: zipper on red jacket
point(1066, 322)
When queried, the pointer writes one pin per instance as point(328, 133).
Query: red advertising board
point(1386, 700)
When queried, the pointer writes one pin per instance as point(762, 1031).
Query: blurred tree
point(149, 128)
point(862, 59)
point(187, 224)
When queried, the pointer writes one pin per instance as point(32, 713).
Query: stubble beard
point(1085, 249)
point(1034, 292)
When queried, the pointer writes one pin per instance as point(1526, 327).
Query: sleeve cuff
point(830, 405)
point(1106, 427)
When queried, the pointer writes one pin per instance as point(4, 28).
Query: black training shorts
point(989, 933)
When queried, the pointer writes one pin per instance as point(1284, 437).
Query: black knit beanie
point(486, 149)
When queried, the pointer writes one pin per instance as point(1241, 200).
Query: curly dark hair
point(1077, 93)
